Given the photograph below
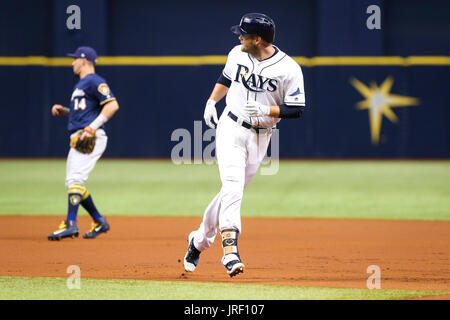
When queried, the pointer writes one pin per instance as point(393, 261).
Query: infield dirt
point(301, 252)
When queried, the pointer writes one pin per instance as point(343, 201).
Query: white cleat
point(232, 262)
point(192, 255)
point(236, 269)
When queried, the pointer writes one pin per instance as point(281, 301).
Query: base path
point(300, 252)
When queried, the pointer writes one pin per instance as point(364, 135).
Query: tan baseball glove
point(84, 141)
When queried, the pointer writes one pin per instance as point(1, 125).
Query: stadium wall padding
point(156, 100)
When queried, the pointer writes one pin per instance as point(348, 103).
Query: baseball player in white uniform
point(262, 85)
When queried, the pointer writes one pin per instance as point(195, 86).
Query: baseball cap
point(85, 52)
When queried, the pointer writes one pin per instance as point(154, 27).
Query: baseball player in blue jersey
point(92, 104)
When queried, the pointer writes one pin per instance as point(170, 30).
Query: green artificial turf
point(327, 189)
point(36, 288)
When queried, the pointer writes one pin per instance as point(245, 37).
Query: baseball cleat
point(97, 227)
point(67, 229)
point(192, 255)
point(233, 264)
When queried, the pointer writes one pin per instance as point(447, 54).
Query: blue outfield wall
point(155, 100)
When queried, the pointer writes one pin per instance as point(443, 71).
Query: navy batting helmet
point(256, 23)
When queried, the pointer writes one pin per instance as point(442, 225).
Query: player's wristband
point(98, 122)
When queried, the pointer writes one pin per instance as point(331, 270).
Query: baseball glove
point(84, 141)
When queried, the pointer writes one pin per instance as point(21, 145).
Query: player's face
point(77, 64)
point(248, 43)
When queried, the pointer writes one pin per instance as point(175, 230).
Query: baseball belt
point(246, 124)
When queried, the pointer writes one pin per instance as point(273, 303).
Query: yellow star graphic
point(379, 103)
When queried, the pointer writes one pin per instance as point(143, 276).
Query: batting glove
point(256, 109)
point(210, 112)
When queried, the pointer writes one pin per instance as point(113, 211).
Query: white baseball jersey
point(274, 81)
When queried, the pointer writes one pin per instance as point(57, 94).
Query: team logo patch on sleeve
point(103, 89)
point(297, 92)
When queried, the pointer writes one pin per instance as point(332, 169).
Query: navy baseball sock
point(89, 205)
point(74, 202)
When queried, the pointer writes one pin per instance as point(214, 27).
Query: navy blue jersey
point(88, 98)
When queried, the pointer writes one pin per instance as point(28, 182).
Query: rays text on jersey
point(255, 82)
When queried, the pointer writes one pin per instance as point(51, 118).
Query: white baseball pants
point(239, 153)
point(79, 165)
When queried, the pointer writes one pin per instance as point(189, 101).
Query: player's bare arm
point(274, 111)
point(60, 110)
point(218, 92)
point(108, 111)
